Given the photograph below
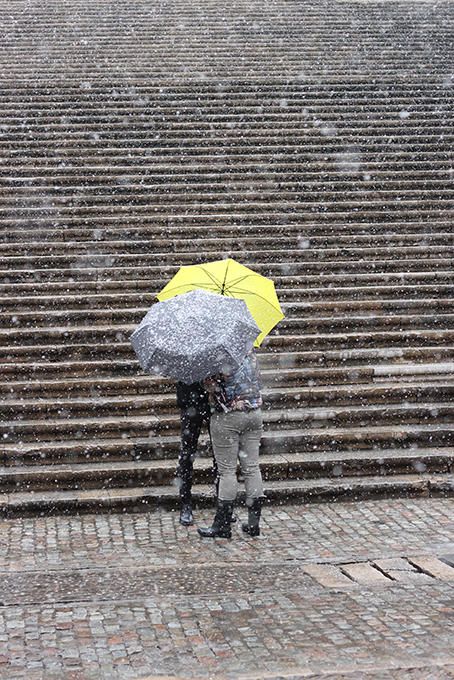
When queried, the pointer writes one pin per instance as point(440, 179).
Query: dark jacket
point(192, 395)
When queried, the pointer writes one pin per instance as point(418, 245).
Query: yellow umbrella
point(228, 277)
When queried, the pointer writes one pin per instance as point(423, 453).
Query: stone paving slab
point(328, 575)
point(434, 567)
point(366, 574)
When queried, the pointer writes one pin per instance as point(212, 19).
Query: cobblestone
point(138, 596)
point(331, 532)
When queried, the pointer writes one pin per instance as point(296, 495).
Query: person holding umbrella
point(236, 431)
point(195, 412)
point(236, 424)
point(189, 337)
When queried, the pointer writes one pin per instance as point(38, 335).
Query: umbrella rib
point(210, 275)
point(250, 292)
point(245, 276)
point(225, 277)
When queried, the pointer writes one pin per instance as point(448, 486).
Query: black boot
point(186, 517)
point(221, 523)
point(184, 480)
point(252, 526)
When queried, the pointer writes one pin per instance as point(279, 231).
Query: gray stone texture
point(137, 595)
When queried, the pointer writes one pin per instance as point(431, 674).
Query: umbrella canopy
point(194, 335)
point(231, 279)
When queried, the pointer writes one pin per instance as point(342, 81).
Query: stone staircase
point(310, 142)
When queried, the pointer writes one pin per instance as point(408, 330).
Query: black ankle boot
point(221, 523)
point(186, 517)
point(252, 526)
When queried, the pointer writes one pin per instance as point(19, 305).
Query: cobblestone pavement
point(341, 590)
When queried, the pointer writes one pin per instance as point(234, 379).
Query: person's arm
point(209, 384)
point(214, 385)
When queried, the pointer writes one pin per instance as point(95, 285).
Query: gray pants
point(236, 435)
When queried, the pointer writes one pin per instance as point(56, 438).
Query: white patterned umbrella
point(194, 335)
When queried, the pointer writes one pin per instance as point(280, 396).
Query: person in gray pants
point(236, 430)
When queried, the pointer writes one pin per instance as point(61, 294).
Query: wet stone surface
point(331, 532)
point(138, 596)
point(108, 584)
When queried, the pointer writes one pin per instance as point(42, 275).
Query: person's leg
point(225, 433)
point(249, 446)
point(214, 468)
point(249, 461)
point(191, 424)
point(225, 428)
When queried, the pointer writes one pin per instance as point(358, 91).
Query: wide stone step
point(100, 268)
point(318, 285)
point(392, 202)
point(269, 64)
point(221, 49)
point(302, 242)
point(227, 58)
point(331, 257)
point(116, 368)
point(232, 61)
point(163, 401)
point(292, 300)
point(256, 121)
point(138, 474)
point(225, 233)
point(139, 176)
point(286, 376)
point(434, 136)
point(141, 499)
point(103, 347)
point(239, 216)
point(332, 84)
point(118, 311)
point(162, 126)
point(344, 102)
point(125, 91)
point(342, 164)
point(46, 173)
point(236, 156)
point(237, 159)
point(96, 425)
point(394, 167)
point(109, 396)
point(274, 441)
point(355, 112)
point(323, 328)
point(335, 88)
point(256, 124)
point(399, 203)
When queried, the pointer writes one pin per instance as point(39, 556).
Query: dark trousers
point(192, 421)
